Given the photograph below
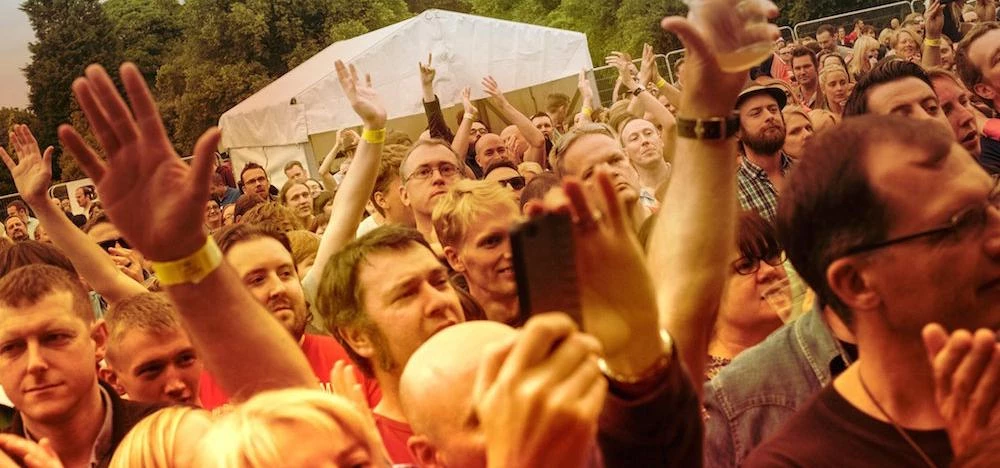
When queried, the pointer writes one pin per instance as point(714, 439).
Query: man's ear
point(99, 333)
point(380, 201)
point(423, 451)
point(848, 281)
point(404, 197)
point(110, 377)
point(451, 254)
point(984, 91)
point(358, 341)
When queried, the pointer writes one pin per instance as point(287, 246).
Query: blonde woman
point(865, 56)
point(836, 85)
point(905, 45)
point(167, 438)
point(798, 130)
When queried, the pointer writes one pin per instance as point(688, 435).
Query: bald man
point(489, 148)
point(546, 367)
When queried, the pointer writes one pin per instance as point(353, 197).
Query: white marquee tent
point(296, 116)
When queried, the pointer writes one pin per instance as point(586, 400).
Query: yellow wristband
point(661, 82)
point(932, 42)
point(586, 110)
point(373, 136)
point(191, 269)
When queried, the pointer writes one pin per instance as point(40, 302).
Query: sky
point(14, 54)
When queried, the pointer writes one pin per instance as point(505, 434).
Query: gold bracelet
point(661, 82)
point(373, 136)
point(932, 42)
point(653, 370)
point(191, 269)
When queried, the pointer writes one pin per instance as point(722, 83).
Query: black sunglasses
point(516, 183)
point(108, 244)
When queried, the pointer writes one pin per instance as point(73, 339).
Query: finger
point(984, 398)
point(494, 356)
point(204, 155)
point(592, 402)
point(935, 338)
point(17, 446)
point(100, 126)
point(7, 161)
point(971, 368)
point(948, 359)
point(368, 80)
point(85, 156)
point(578, 382)
point(690, 37)
point(147, 114)
point(354, 74)
point(535, 342)
point(566, 358)
point(430, 58)
point(613, 208)
point(580, 209)
point(119, 116)
point(47, 157)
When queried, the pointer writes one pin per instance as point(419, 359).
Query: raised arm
point(32, 174)
point(460, 145)
point(349, 204)
point(586, 96)
point(157, 202)
point(930, 55)
point(436, 124)
point(694, 235)
point(324, 167)
point(649, 104)
point(531, 134)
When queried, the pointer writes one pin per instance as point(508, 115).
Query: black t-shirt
point(830, 432)
point(990, 157)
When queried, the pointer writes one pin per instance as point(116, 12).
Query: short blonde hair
point(151, 443)
point(304, 244)
point(148, 312)
point(795, 109)
point(465, 203)
point(246, 436)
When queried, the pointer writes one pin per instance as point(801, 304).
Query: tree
point(146, 30)
point(8, 117)
point(70, 35)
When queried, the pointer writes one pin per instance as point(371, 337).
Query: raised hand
point(624, 66)
point(966, 381)
point(467, 102)
point(491, 87)
point(33, 172)
point(427, 73)
point(362, 96)
point(934, 20)
point(155, 199)
point(583, 84)
point(647, 69)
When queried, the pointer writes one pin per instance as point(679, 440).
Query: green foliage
point(8, 117)
point(146, 31)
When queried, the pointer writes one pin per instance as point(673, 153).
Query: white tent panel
point(273, 158)
point(275, 125)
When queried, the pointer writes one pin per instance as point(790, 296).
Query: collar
point(102, 445)
point(819, 346)
point(750, 167)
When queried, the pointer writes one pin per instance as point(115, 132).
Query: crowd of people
point(795, 265)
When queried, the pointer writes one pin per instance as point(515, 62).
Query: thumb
point(935, 338)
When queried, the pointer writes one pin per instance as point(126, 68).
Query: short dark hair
point(98, 218)
point(323, 198)
point(801, 51)
point(882, 73)
point(292, 164)
point(970, 73)
point(829, 206)
point(826, 28)
point(756, 237)
point(233, 234)
point(31, 253)
point(18, 205)
point(498, 163)
point(245, 203)
point(25, 286)
point(251, 166)
point(538, 187)
point(338, 299)
point(540, 114)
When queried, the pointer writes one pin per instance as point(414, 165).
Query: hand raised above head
point(361, 95)
point(427, 73)
point(32, 172)
point(156, 200)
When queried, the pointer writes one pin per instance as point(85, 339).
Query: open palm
point(32, 172)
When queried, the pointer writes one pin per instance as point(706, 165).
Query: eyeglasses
point(747, 265)
point(516, 183)
point(447, 170)
point(971, 219)
point(108, 244)
point(477, 131)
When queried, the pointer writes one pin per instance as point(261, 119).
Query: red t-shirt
point(322, 352)
point(394, 436)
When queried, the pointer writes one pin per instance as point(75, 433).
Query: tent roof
point(308, 99)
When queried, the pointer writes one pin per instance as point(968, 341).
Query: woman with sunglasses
point(505, 173)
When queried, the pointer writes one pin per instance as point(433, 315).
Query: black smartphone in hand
point(545, 267)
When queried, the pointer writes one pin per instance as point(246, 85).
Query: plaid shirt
point(756, 192)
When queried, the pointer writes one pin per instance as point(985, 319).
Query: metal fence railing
point(603, 78)
point(787, 33)
point(878, 16)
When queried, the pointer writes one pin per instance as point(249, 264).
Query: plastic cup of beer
point(734, 28)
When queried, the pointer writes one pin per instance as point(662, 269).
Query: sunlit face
point(484, 257)
point(786, 54)
point(213, 215)
point(81, 197)
point(743, 302)
point(299, 200)
point(544, 124)
point(906, 44)
point(408, 297)
point(314, 188)
point(476, 131)
point(804, 70)
point(228, 214)
point(48, 358)
point(422, 194)
point(41, 235)
point(16, 229)
point(906, 97)
point(255, 181)
point(157, 366)
point(296, 173)
point(592, 152)
point(642, 142)
point(984, 53)
point(489, 148)
point(268, 272)
point(799, 130)
point(836, 87)
point(827, 41)
point(956, 104)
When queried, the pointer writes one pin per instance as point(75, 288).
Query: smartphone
point(545, 267)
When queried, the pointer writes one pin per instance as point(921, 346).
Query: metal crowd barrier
point(878, 16)
point(603, 78)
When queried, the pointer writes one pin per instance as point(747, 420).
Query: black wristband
point(713, 128)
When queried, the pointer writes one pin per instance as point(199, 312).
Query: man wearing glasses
point(892, 256)
point(426, 172)
point(505, 173)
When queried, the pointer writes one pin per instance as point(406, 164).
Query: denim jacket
point(751, 398)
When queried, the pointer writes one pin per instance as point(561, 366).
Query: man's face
point(218, 188)
point(957, 108)
point(786, 54)
point(16, 229)
point(798, 132)
point(592, 152)
point(804, 70)
point(421, 194)
point(160, 366)
point(762, 128)
point(643, 144)
point(255, 181)
point(408, 298)
point(544, 124)
point(488, 148)
point(81, 198)
point(268, 271)
point(107, 233)
point(299, 200)
point(982, 53)
point(484, 257)
point(476, 131)
point(520, 144)
point(48, 358)
point(66, 205)
point(947, 55)
point(390, 202)
point(827, 41)
point(957, 281)
point(907, 97)
point(509, 178)
point(13, 211)
point(296, 173)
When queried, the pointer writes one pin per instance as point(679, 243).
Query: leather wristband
point(711, 128)
point(652, 371)
point(191, 269)
point(373, 136)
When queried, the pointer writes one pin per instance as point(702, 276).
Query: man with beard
point(805, 67)
point(763, 166)
point(263, 261)
point(16, 229)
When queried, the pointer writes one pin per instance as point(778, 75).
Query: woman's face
point(743, 302)
point(228, 213)
point(798, 131)
point(836, 87)
point(906, 46)
point(314, 188)
point(213, 215)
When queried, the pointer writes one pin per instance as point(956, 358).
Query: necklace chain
point(900, 430)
